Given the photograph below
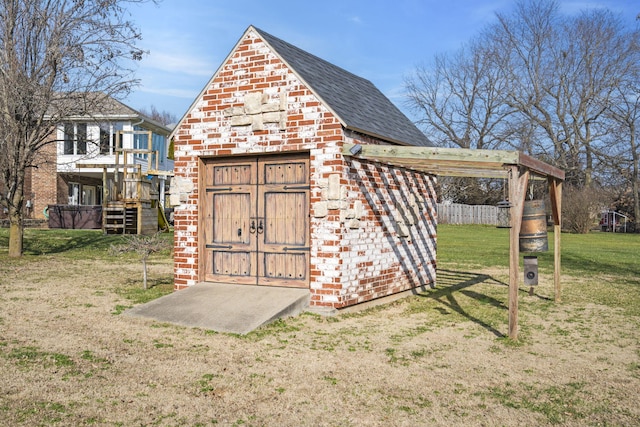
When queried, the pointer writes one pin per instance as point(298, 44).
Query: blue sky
point(380, 40)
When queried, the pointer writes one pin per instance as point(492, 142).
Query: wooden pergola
point(516, 167)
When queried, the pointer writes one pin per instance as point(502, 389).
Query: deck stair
point(114, 219)
point(121, 218)
point(132, 198)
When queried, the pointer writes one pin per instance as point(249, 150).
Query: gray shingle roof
point(97, 105)
point(356, 101)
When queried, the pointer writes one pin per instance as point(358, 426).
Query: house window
point(75, 138)
point(108, 137)
point(81, 138)
point(140, 142)
point(105, 139)
point(74, 193)
point(68, 138)
point(89, 195)
point(159, 145)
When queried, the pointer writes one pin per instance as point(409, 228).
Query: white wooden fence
point(454, 213)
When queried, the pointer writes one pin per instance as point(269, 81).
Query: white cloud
point(174, 92)
point(179, 62)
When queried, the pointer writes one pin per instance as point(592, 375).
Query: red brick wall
point(344, 270)
point(44, 182)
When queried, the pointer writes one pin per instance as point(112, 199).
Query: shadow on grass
point(55, 241)
point(60, 241)
point(451, 282)
point(151, 282)
point(580, 263)
point(48, 242)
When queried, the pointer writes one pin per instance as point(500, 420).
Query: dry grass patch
point(69, 357)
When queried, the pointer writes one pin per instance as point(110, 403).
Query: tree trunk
point(144, 273)
point(636, 204)
point(16, 220)
point(588, 169)
point(15, 233)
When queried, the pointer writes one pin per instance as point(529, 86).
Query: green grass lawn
point(598, 267)
point(473, 246)
point(485, 246)
point(74, 244)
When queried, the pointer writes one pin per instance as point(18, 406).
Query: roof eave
point(380, 137)
point(156, 126)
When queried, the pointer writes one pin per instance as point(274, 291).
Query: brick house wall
point(43, 184)
point(390, 246)
point(48, 187)
point(39, 184)
point(372, 226)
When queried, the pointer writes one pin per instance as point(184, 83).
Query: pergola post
point(518, 180)
point(555, 193)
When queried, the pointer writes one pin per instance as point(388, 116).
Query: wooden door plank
point(283, 203)
point(230, 195)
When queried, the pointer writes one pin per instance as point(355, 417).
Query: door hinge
point(212, 190)
point(296, 249)
point(218, 246)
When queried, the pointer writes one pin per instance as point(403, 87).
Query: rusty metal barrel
point(533, 231)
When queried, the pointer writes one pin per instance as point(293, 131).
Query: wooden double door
point(256, 220)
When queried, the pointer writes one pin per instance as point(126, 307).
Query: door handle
point(252, 228)
point(260, 227)
point(218, 246)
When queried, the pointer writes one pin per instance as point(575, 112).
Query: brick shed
point(264, 196)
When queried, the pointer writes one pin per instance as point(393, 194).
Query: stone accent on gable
point(258, 110)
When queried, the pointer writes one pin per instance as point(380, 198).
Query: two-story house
point(90, 161)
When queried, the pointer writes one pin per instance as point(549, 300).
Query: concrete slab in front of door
point(224, 307)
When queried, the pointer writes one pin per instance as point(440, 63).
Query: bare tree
point(144, 247)
point(562, 72)
point(623, 153)
point(581, 207)
point(542, 82)
point(57, 59)
point(460, 99)
point(164, 117)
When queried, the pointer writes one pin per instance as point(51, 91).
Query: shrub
point(581, 207)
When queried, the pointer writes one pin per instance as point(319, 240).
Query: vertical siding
point(455, 213)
